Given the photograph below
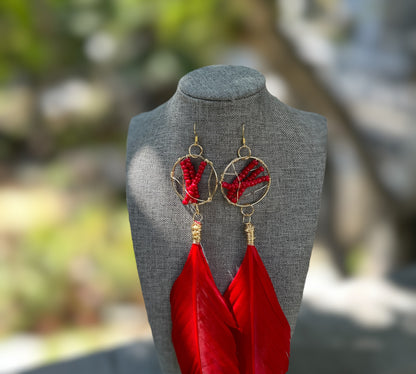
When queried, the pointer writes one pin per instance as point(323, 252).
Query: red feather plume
point(202, 323)
point(263, 342)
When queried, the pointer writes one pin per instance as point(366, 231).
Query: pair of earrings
point(244, 330)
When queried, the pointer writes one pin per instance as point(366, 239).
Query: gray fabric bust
point(219, 99)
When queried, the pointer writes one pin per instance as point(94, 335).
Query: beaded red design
point(244, 180)
point(191, 180)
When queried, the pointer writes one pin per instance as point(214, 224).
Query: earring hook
point(244, 146)
point(196, 136)
point(195, 144)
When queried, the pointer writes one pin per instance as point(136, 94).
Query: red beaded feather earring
point(202, 324)
point(245, 330)
point(263, 338)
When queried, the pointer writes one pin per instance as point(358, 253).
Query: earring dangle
point(202, 323)
point(263, 341)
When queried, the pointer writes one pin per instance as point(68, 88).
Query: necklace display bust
point(219, 99)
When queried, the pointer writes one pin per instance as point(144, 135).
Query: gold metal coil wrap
point(249, 229)
point(196, 232)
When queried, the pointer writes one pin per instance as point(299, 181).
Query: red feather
point(202, 323)
point(263, 342)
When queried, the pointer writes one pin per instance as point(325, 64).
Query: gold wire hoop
point(244, 147)
point(197, 217)
point(246, 219)
point(266, 169)
point(247, 214)
point(194, 155)
point(213, 173)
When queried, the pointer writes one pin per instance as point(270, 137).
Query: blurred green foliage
point(65, 272)
point(127, 55)
point(44, 37)
point(47, 37)
point(74, 73)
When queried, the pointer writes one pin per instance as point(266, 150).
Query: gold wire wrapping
point(231, 166)
point(249, 229)
point(212, 184)
point(196, 232)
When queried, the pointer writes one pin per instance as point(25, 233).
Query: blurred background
point(73, 73)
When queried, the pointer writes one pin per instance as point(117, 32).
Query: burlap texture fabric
point(219, 99)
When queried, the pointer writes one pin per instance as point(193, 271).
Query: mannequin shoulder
point(315, 122)
point(145, 125)
point(312, 127)
point(147, 119)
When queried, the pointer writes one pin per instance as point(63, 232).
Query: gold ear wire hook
point(196, 136)
point(244, 146)
point(195, 144)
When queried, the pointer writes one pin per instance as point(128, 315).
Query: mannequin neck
point(222, 83)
